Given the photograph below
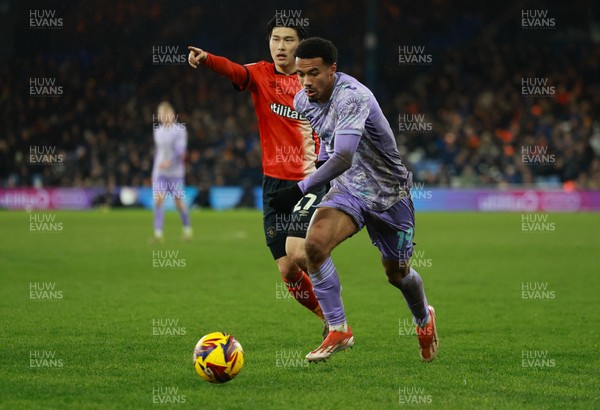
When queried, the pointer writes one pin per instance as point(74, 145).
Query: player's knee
point(299, 257)
point(296, 252)
point(315, 249)
point(397, 272)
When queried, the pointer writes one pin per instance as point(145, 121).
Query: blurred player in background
point(170, 138)
point(289, 149)
point(370, 187)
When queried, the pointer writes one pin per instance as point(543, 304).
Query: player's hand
point(197, 56)
point(284, 200)
point(164, 165)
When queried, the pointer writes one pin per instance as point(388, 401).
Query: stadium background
point(474, 118)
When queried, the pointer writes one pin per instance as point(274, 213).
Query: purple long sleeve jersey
point(358, 143)
point(171, 143)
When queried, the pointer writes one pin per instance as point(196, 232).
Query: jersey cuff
point(302, 186)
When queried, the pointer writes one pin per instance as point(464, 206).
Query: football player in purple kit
point(369, 187)
point(170, 138)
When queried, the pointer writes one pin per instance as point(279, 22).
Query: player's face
point(316, 78)
point(283, 43)
point(165, 115)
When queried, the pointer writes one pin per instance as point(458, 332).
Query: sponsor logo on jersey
point(286, 111)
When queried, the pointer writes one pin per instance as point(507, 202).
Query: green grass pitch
point(115, 332)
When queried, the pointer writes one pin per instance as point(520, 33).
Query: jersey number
point(402, 236)
point(311, 198)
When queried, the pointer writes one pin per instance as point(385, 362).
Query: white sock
point(341, 327)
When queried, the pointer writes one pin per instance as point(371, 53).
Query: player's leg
point(178, 190)
point(158, 193)
point(185, 218)
point(295, 249)
point(402, 276)
point(298, 223)
point(393, 232)
point(297, 282)
point(276, 226)
point(330, 226)
point(159, 218)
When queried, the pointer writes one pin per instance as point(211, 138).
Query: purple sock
point(326, 284)
point(185, 217)
point(412, 289)
point(158, 218)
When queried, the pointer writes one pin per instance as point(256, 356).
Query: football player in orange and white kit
point(289, 148)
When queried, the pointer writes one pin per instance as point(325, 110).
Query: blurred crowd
point(462, 120)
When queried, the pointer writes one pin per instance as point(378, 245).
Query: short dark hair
point(316, 47)
point(275, 21)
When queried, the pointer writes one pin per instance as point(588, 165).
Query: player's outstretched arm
point(236, 73)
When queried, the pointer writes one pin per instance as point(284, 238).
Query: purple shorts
point(391, 231)
point(165, 187)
